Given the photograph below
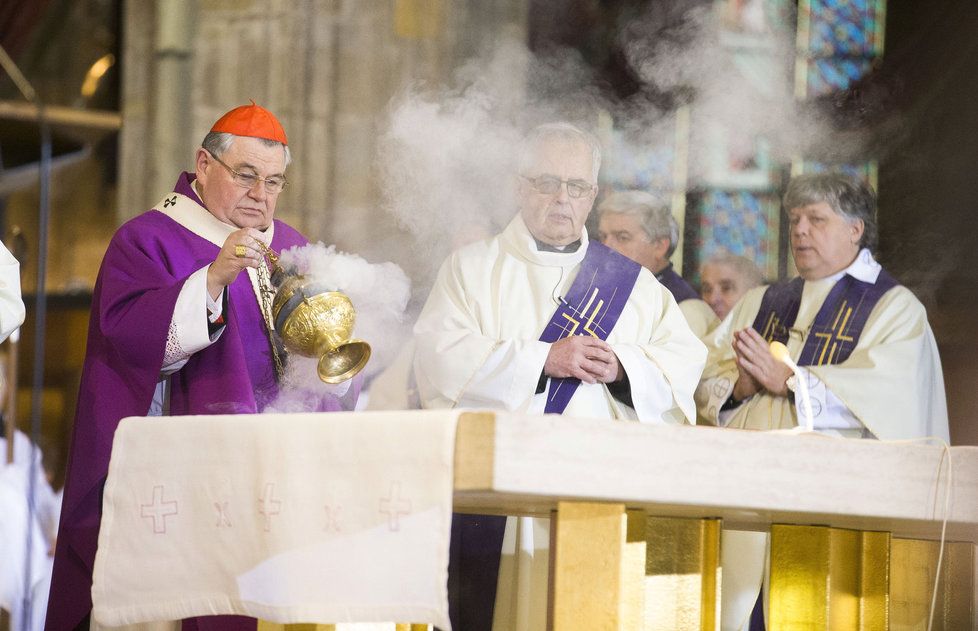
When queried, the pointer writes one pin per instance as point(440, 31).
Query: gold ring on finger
point(240, 251)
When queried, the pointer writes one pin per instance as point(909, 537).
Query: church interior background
point(132, 84)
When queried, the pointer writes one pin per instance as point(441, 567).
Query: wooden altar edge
point(527, 463)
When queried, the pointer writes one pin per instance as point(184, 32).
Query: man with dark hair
point(866, 352)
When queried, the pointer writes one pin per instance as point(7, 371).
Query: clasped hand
point(587, 358)
point(757, 368)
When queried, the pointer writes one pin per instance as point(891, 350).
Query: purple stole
point(591, 307)
point(676, 285)
point(839, 321)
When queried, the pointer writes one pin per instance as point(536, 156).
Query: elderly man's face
point(721, 287)
point(557, 218)
point(624, 234)
point(823, 242)
point(230, 202)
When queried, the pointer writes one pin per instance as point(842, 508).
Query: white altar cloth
point(288, 518)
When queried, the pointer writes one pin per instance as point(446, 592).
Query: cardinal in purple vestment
point(179, 325)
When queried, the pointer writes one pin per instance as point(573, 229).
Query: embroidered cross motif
point(223, 521)
point(170, 201)
point(333, 519)
point(268, 507)
point(158, 510)
point(394, 507)
point(588, 314)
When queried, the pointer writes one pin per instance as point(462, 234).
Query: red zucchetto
point(251, 120)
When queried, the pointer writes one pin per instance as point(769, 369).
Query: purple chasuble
point(679, 288)
point(144, 268)
point(838, 324)
point(591, 307)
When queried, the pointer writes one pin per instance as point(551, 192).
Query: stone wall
point(327, 68)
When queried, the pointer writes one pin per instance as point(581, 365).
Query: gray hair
point(217, 142)
point(561, 131)
point(848, 196)
point(741, 264)
point(653, 215)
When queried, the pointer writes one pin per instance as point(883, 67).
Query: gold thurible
point(317, 321)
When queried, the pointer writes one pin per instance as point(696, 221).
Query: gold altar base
point(830, 579)
point(598, 567)
point(913, 566)
point(620, 569)
point(838, 579)
point(682, 574)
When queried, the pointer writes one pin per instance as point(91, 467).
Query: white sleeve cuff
point(828, 412)
point(214, 307)
point(188, 328)
point(652, 394)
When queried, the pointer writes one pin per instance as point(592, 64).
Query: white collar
point(864, 268)
point(518, 236)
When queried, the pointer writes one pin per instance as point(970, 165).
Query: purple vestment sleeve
point(142, 273)
point(677, 286)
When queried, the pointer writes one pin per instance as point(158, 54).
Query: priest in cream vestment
point(865, 349)
point(505, 328)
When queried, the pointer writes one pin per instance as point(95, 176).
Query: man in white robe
point(478, 338)
point(641, 227)
point(889, 386)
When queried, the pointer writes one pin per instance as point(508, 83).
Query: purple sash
point(591, 307)
point(839, 321)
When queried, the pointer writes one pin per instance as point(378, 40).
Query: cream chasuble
point(477, 345)
point(700, 317)
point(891, 385)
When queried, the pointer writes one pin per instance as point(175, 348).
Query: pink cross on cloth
point(328, 518)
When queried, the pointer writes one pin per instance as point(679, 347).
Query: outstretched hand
point(758, 369)
point(229, 264)
point(584, 357)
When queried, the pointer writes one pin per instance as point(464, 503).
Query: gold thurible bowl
point(314, 321)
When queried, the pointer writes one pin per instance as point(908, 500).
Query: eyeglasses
point(273, 184)
point(548, 185)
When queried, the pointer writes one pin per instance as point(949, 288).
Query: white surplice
point(477, 345)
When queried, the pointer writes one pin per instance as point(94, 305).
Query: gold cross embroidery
point(830, 346)
point(588, 327)
point(771, 327)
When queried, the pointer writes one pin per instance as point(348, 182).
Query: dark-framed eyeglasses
point(273, 184)
point(548, 185)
